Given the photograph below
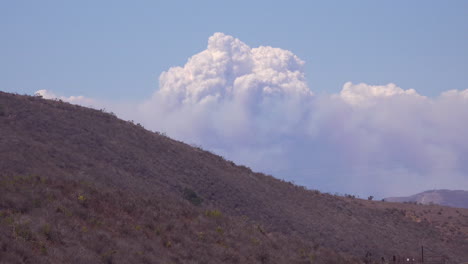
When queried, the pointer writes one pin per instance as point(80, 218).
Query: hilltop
point(453, 198)
point(80, 185)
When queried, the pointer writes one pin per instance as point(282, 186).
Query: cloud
point(80, 100)
point(403, 140)
point(253, 106)
point(230, 70)
point(363, 94)
point(229, 92)
point(125, 110)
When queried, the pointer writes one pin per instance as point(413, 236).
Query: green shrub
point(213, 213)
point(192, 196)
point(81, 198)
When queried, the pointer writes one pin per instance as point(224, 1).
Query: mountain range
point(453, 198)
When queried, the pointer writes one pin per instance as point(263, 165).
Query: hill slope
point(71, 146)
point(454, 198)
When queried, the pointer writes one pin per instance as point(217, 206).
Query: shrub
point(192, 197)
point(23, 231)
point(370, 198)
point(201, 235)
point(9, 220)
point(46, 230)
point(81, 198)
point(43, 248)
point(157, 231)
point(255, 241)
point(168, 244)
point(64, 211)
point(108, 256)
point(37, 203)
point(213, 213)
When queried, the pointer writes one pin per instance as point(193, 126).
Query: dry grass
point(56, 221)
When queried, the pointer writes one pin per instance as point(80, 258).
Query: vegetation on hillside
point(56, 221)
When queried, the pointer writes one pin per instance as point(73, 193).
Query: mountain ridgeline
point(453, 198)
point(79, 185)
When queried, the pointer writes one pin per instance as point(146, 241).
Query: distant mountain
point(453, 198)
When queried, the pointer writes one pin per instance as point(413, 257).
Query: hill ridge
point(453, 198)
point(65, 142)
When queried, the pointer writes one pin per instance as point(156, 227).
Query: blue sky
point(377, 108)
point(104, 49)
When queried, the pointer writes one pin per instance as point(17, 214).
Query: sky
point(360, 97)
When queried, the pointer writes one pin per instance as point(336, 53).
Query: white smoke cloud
point(230, 70)
point(80, 100)
point(125, 110)
point(365, 95)
point(253, 105)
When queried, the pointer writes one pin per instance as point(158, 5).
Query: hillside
point(453, 198)
point(79, 184)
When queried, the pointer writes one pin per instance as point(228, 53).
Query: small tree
point(370, 198)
